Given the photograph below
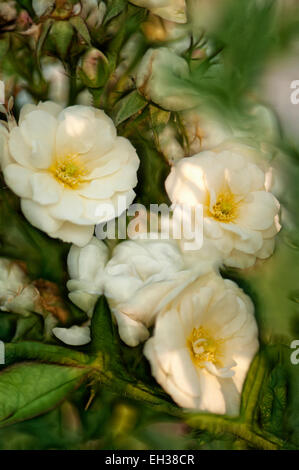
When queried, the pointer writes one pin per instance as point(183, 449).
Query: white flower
point(159, 79)
point(203, 344)
point(73, 336)
point(175, 36)
point(57, 80)
point(86, 269)
point(69, 168)
point(16, 293)
point(87, 277)
point(173, 10)
point(141, 276)
point(42, 7)
point(240, 215)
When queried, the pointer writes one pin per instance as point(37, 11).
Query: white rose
point(141, 276)
point(16, 293)
point(206, 14)
point(70, 169)
point(159, 79)
point(87, 277)
point(240, 215)
point(203, 344)
point(173, 10)
point(86, 269)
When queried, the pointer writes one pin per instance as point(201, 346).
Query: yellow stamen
point(204, 348)
point(225, 209)
point(69, 171)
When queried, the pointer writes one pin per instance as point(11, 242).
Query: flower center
point(69, 171)
point(225, 209)
point(204, 348)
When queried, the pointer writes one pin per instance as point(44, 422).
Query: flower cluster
point(68, 166)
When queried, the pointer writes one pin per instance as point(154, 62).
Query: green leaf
point(29, 326)
point(27, 390)
point(128, 106)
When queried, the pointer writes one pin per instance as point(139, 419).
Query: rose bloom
point(68, 166)
point(240, 214)
point(173, 10)
point(203, 343)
